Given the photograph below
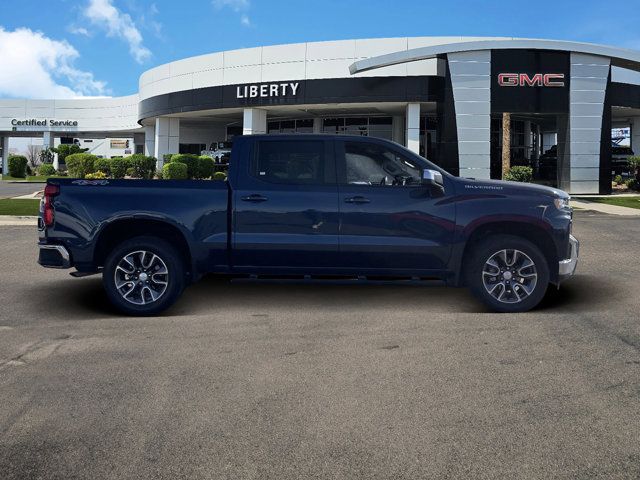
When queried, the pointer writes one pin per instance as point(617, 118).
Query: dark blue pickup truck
point(313, 206)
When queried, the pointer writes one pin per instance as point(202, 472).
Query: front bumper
point(54, 256)
point(567, 267)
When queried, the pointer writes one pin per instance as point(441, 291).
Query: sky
point(75, 48)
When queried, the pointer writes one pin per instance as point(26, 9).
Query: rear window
point(293, 162)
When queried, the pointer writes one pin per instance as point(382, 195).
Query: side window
point(299, 162)
point(372, 164)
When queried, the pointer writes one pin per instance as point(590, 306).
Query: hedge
point(80, 164)
point(190, 160)
point(46, 170)
point(102, 165)
point(18, 166)
point(175, 171)
point(519, 174)
point(219, 176)
point(205, 167)
point(143, 166)
point(119, 166)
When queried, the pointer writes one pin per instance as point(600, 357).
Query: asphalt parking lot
point(242, 380)
point(14, 189)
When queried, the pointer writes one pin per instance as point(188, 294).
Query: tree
point(46, 155)
point(506, 143)
point(33, 155)
point(65, 150)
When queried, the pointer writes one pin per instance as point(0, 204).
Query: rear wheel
point(143, 276)
point(508, 273)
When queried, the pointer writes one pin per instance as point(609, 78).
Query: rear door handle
point(357, 199)
point(256, 197)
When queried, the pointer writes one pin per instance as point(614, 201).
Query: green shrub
point(617, 179)
point(205, 167)
point(166, 158)
point(80, 164)
point(631, 183)
point(119, 166)
point(102, 165)
point(519, 174)
point(18, 166)
point(175, 171)
point(143, 166)
point(29, 170)
point(219, 176)
point(130, 172)
point(634, 166)
point(46, 170)
point(65, 150)
point(190, 160)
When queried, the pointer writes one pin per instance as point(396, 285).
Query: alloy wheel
point(509, 276)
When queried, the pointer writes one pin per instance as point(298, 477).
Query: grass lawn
point(10, 206)
point(632, 202)
point(35, 178)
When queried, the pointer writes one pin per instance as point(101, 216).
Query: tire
point(517, 286)
point(148, 272)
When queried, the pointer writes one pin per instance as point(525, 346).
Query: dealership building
point(442, 97)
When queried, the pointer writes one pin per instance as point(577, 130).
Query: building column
point(150, 141)
point(589, 77)
point(166, 138)
point(317, 125)
point(397, 129)
point(254, 121)
point(412, 123)
point(635, 135)
point(471, 84)
point(4, 144)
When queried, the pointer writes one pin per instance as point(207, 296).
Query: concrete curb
point(604, 208)
point(12, 220)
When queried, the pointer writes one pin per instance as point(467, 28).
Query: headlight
point(562, 203)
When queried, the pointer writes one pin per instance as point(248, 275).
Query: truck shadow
point(80, 299)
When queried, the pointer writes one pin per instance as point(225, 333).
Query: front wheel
point(143, 276)
point(508, 273)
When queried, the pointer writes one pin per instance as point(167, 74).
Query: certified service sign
point(33, 122)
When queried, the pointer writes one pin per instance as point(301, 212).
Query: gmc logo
point(537, 80)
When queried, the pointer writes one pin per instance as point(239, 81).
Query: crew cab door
point(389, 222)
point(285, 206)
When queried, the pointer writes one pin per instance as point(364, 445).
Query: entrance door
point(389, 222)
point(286, 207)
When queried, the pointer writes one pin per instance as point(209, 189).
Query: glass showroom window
point(291, 126)
point(380, 127)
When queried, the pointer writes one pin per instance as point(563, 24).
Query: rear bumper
point(567, 267)
point(54, 256)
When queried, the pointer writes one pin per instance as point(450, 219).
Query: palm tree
point(506, 143)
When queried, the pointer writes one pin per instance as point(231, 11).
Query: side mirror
point(433, 180)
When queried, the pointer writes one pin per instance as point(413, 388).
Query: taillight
point(50, 191)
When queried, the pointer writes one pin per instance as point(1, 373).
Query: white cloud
point(78, 30)
point(36, 66)
point(238, 6)
point(104, 15)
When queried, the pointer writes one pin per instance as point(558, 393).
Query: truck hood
point(470, 185)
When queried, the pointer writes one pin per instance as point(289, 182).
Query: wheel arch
point(531, 232)
point(121, 230)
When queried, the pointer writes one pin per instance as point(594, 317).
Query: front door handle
point(357, 199)
point(256, 197)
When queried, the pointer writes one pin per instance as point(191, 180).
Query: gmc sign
point(525, 80)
